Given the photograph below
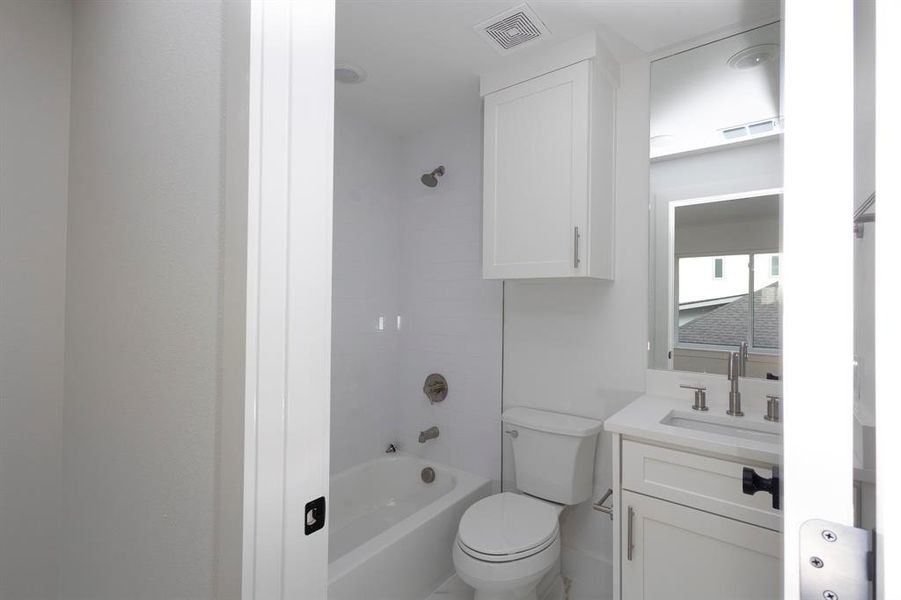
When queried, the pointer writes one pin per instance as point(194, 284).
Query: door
point(818, 208)
point(888, 286)
point(536, 176)
point(680, 553)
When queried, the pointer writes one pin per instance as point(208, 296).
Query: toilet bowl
point(508, 542)
point(505, 544)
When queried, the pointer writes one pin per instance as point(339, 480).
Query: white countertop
point(642, 419)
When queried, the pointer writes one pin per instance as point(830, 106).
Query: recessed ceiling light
point(753, 56)
point(349, 73)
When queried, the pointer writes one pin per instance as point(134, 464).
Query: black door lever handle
point(751, 483)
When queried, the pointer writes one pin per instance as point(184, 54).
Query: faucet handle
point(772, 408)
point(700, 396)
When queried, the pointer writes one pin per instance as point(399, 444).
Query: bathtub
point(391, 534)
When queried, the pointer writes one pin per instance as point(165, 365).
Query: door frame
point(888, 287)
point(819, 189)
point(287, 263)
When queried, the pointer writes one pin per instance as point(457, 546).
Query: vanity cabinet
point(679, 553)
point(686, 529)
point(548, 176)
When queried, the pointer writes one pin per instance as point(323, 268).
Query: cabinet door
point(680, 553)
point(536, 176)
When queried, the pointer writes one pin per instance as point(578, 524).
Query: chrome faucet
point(743, 352)
point(734, 395)
point(429, 434)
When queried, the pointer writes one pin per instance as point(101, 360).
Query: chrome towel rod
point(861, 215)
point(600, 506)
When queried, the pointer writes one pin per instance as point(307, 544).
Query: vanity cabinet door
point(536, 176)
point(680, 553)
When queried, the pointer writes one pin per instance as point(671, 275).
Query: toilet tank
point(553, 453)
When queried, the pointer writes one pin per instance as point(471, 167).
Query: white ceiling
point(696, 94)
point(423, 57)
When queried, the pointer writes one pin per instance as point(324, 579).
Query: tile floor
point(452, 589)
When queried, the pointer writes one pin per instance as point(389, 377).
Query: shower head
point(431, 179)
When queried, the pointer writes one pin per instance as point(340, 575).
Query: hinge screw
point(830, 595)
point(829, 536)
point(816, 561)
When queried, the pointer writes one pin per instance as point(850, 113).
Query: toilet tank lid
point(551, 422)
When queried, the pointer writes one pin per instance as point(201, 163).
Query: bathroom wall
point(143, 301)
point(452, 318)
point(35, 59)
point(403, 249)
point(581, 346)
point(366, 279)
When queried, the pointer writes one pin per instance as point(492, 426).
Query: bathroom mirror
point(715, 200)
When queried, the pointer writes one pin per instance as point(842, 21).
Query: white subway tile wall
point(412, 254)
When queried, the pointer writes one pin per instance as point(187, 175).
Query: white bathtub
point(390, 534)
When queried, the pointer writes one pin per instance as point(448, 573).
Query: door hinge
point(837, 562)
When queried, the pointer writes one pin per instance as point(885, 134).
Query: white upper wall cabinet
point(548, 173)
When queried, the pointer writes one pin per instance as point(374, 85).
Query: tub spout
point(429, 434)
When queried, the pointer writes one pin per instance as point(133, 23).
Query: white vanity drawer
point(703, 482)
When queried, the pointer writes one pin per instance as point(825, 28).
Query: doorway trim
point(817, 209)
point(287, 360)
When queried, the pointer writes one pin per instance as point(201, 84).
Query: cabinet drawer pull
point(630, 545)
point(576, 236)
point(751, 483)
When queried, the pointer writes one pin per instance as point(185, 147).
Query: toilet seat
point(507, 527)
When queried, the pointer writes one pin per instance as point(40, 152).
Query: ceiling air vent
point(513, 29)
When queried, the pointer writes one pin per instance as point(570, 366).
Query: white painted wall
point(452, 317)
point(35, 58)
point(580, 346)
point(143, 301)
point(366, 284)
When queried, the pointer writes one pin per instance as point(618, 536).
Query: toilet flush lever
point(512, 433)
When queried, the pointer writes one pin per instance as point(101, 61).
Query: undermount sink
point(743, 427)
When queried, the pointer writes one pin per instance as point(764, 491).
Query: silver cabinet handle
point(630, 545)
point(576, 236)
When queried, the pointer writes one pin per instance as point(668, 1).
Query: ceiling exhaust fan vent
point(751, 129)
point(513, 29)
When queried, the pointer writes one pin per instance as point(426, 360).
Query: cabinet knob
point(751, 483)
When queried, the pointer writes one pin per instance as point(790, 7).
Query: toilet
point(507, 543)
